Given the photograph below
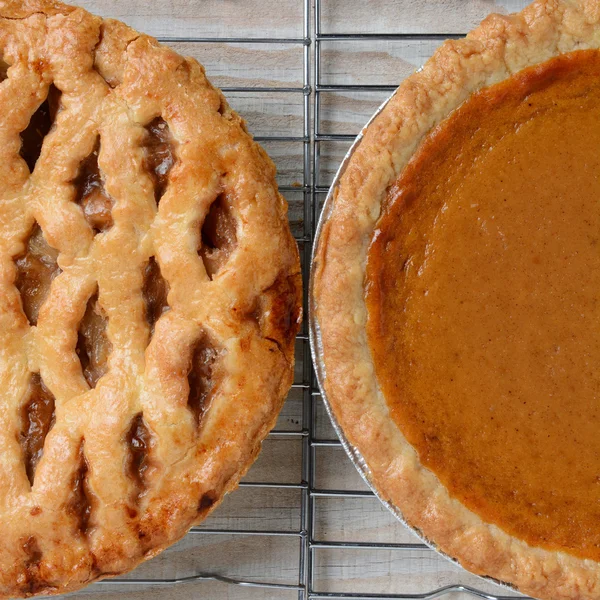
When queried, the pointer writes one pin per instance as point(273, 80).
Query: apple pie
point(150, 294)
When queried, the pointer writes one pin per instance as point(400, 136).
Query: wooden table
point(342, 112)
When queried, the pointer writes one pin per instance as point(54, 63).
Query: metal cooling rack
point(313, 193)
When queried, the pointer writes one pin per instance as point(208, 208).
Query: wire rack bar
point(316, 493)
point(334, 137)
point(370, 37)
point(289, 434)
point(233, 40)
point(326, 443)
point(306, 566)
point(202, 577)
point(353, 87)
point(268, 484)
point(258, 532)
point(367, 546)
point(449, 589)
point(280, 138)
point(264, 89)
point(294, 188)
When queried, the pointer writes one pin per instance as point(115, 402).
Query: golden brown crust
point(501, 46)
point(87, 514)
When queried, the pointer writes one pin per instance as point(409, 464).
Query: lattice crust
point(149, 297)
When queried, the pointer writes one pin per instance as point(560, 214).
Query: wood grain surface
point(260, 65)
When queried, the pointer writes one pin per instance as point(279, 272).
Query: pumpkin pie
point(456, 299)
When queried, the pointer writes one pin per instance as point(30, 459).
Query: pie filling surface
point(483, 288)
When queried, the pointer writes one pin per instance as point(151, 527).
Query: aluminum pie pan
point(316, 350)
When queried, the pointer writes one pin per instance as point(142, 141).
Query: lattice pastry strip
point(150, 290)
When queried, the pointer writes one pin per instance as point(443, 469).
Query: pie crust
point(500, 47)
point(150, 294)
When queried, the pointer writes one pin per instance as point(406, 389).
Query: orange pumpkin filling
point(483, 298)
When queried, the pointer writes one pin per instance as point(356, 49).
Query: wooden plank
point(336, 472)
point(255, 509)
point(323, 429)
point(275, 563)
point(390, 61)
point(247, 65)
point(331, 155)
point(392, 571)
point(277, 560)
point(206, 590)
point(279, 462)
point(409, 16)
point(208, 18)
point(347, 112)
point(290, 418)
point(363, 520)
point(270, 114)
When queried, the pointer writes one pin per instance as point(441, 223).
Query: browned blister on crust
point(133, 226)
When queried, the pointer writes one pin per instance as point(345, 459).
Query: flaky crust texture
point(499, 47)
point(85, 516)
